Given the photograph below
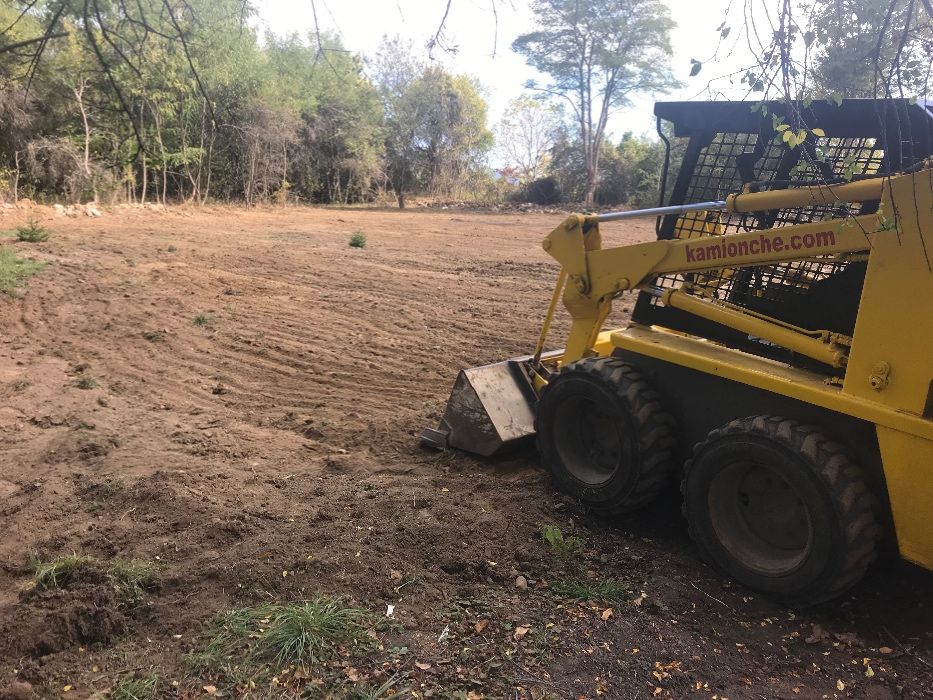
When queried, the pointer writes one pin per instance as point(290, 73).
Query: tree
point(435, 123)
point(598, 53)
point(394, 70)
point(854, 57)
point(526, 134)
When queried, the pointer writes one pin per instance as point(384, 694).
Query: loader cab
point(727, 147)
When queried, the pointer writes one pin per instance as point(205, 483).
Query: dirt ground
point(271, 453)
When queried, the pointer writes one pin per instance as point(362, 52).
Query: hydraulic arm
point(596, 276)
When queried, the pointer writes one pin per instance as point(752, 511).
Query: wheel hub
point(760, 518)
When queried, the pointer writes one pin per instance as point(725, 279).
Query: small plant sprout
point(358, 239)
point(568, 547)
point(202, 320)
point(32, 232)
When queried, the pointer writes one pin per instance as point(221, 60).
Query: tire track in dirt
point(281, 437)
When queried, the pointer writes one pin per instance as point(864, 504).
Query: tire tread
point(857, 506)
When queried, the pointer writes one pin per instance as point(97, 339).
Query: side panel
point(908, 468)
point(702, 402)
point(895, 317)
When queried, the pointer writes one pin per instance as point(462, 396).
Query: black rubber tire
point(619, 461)
point(804, 554)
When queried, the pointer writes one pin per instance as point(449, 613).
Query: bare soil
point(271, 453)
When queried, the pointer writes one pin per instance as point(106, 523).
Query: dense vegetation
point(226, 114)
point(184, 100)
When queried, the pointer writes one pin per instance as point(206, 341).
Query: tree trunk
point(79, 97)
point(591, 182)
point(210, 161)
point(398, 184)
point(145, 179)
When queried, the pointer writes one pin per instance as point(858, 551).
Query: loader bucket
point(490, 408)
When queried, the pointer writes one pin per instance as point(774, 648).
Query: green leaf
point(807, 102)
point(695, 67)
point(782, 127)
point(758, 86)
point(835, 98)
point(808, 38)
point(788, 137)
point(724, 32)
point(912, 101)
point(818, 132)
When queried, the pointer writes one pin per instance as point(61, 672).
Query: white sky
point(471, 27)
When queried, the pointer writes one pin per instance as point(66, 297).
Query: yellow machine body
point(882, 374)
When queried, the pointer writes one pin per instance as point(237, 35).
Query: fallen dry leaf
point(422, 666)
point(885, 650)
point(639, 600)
point(210, 689)
point(480, 626)
point(606, 614)
point(67, 689)
point(520, 632)
point(353, 674)
point(840, 685)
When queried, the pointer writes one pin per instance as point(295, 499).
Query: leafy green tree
point(630, 171)
point(339, 141)
point(525, 135)
point(858, 50)
point(395, 69)
point(435, 123)
point(598, 53)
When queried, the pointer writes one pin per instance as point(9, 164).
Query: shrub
point(32, 233)
point(544, 190)
point(358, 240)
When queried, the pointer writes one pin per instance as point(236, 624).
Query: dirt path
point(270, 453)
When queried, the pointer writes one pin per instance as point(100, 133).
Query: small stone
point(521, 583)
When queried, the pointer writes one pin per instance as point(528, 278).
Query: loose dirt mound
point(236, 396)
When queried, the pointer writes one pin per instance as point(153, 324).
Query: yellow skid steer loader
point(779, 361)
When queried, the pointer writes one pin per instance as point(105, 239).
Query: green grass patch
point(132, 577)
point(136, 688)
point(607, 591)
point(15, 271)
point(129, 577)
point(358, 240)
point(566, 546)
point(348, 690)
point(202, 320)
point(32, 233)
point(248, 642)
point(58, 572)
